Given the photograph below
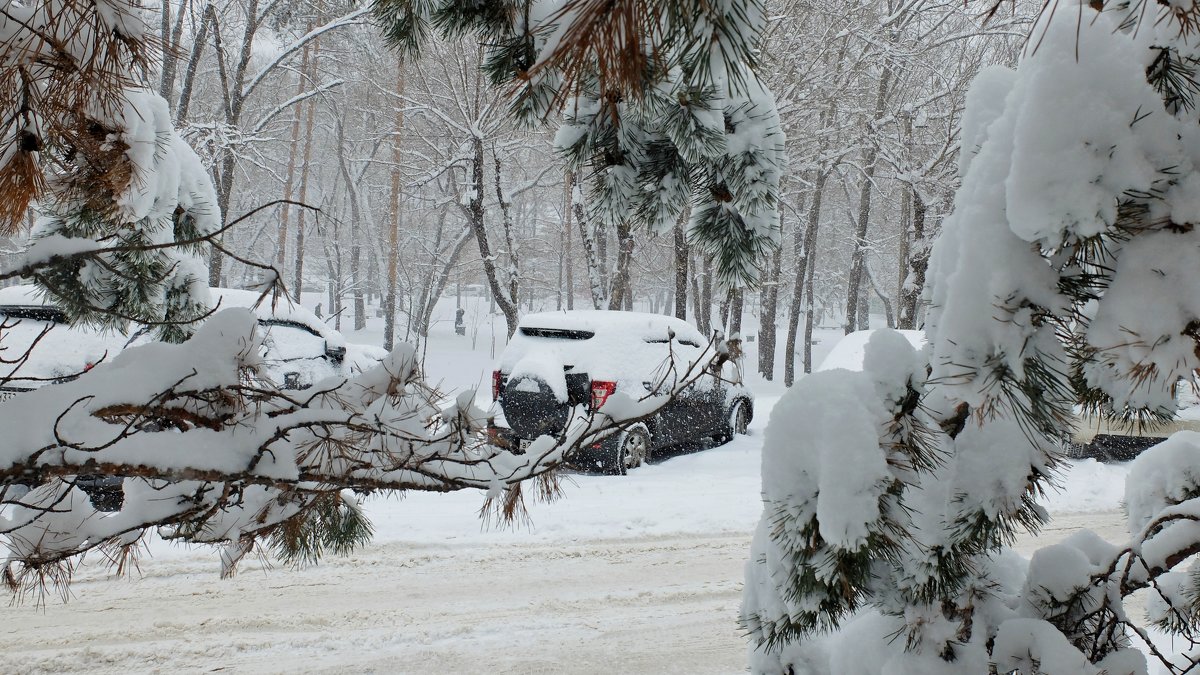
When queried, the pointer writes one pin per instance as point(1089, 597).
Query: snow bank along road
point(640, 574)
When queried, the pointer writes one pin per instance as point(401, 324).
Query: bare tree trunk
point(811, 306)
point(706, 296)
point(170, 46)
point(621, 281)
point(566, 238)
point(770, 309)
point(888, 311)
point(443, 277)
point(601, 238)
point(854, 312)
point(208, 17)
point(507, 304)
point(805, 255)
point(290, 181)
point(514, 262)
point(681, 268)
point(918, 262)
point(304, 169)
point(393, 257)
point(736, 297)
point(233, 100)
point(356, 280)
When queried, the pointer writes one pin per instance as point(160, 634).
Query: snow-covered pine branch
point(1077, 207)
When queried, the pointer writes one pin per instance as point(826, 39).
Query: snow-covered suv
point(560, 361)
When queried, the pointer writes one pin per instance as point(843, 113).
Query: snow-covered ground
point(636, 574)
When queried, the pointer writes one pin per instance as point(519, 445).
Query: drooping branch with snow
point(213, 452)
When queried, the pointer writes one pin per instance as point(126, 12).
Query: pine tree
point(891, 495)
point(661, 107)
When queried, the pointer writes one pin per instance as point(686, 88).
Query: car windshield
point(286, 340)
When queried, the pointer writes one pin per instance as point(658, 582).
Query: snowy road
point(640, 574)
point(650, 604)
point(647, 604)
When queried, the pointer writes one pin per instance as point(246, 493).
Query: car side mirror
point(335, 354)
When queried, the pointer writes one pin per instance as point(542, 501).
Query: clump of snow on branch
point(156, 224)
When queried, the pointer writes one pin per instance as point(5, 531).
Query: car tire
point(631, 450)
point(736, 422)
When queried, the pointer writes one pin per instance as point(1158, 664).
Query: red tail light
point(495, 384)
point(601, 391)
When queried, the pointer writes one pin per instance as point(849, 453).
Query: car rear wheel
point(737, 422)
point(632, 450)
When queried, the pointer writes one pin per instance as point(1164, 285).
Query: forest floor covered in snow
point(635, 574)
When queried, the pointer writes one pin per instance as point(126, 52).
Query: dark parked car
point(560, 361)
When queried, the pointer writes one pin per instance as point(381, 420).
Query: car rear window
point(557, 333)
point(34, 313)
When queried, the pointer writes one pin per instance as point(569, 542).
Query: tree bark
point(918, 262)
point(208, 17)
point(810, 244)
point(234, 100)
point(681, 268)
point(566, 238)
point(304, 171)
point(290, 181)
point(594, 269)
point(393, 257)
point(170, 46)
point(854, 293)
point(621, 281)
point(506, 304)
point(770, 309)
point(736, 297)
point(805, 256)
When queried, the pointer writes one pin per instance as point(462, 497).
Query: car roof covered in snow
point(23, 294)
point(281, 310)
point(626, 347)
point(643, 325)
point(848, 353)
point(55, 348)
